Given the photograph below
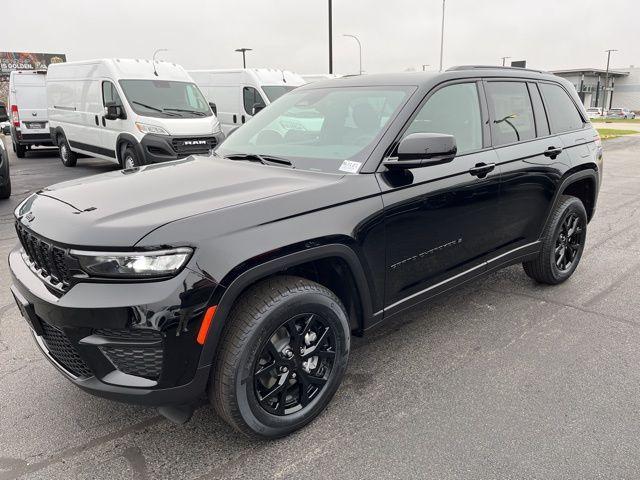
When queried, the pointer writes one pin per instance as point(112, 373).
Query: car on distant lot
point(242, 275)
point(129, 111)
point(594, 113)
point(28, 105)
point(5, 177)
point(621, 113)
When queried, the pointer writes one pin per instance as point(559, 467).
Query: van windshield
point(274, 92)
point(165, 98)
point(322, 129)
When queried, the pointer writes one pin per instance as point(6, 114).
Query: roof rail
point(491, 67)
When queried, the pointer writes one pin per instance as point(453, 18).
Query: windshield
point(320, 129)
point(274, 92)
point(165, 98)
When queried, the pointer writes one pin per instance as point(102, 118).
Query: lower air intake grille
point(61, 349)
point(139, 361)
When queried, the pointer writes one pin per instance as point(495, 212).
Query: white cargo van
point(132, 112)
point(316, 77)
point(28, 107)
point(239, 94)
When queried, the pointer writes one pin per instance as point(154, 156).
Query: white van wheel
point(130, 159)
point(68, 157)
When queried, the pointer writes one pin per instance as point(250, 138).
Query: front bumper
point(130, 342)
point(162, 148)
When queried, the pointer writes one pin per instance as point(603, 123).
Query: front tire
point(282, 357)
point(562, 243)
point(68, 157)
point(130, 158)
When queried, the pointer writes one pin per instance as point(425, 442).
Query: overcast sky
point(292, 34)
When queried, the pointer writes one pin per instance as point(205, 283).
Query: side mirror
point(423, 149)
point(3, 115)
point(214, 108)
point(257, 107)
point(6, 130)
point(114, 112)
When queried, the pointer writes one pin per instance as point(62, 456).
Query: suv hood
point(118, 208)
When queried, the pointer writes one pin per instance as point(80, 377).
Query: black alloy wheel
point(568, 242)
point(294, 364)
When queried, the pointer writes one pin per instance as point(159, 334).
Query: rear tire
point(20, 150)
point(5, 190)
point(562, 243)
point(267, 382)
point(68, 157)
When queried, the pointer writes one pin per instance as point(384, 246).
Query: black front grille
point(188, 146)
point(48, 259)
point(61, 349)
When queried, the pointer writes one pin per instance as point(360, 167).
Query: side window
point(453, 110)
point(563, 114)
point(251, 97)
point(511, 112)
point(110, 95)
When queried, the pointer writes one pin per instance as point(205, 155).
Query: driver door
point(440, 220)
point(110, 128)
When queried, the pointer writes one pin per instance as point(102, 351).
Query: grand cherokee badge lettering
point(426, 253)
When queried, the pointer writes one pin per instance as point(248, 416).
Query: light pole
point(504, 59)
point(244, 58)
point(359, 47)
point(330, 39)
point(153, 59)
point(606, 80)
point(442, 36)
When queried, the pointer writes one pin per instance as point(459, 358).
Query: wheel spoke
point(310, 350)
point(277, 389)
point(325, 353)
point(265, 368)
point(312, 379)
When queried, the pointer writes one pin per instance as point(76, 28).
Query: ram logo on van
point(195, 142)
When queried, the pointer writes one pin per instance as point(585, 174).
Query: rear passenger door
point(532, 161)
point(568, 122)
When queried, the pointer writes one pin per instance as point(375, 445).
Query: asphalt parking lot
point(503, 379)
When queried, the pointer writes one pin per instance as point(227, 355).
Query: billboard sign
point(10, 61)
point(519, 63)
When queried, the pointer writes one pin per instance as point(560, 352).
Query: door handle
point(552, 152)
point(482, 169)
point(104, 122)
point(235, 118)
point(97, 122)
point(243, 119)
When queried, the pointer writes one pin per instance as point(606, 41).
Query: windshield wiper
point(264, 159)
point(195, 112)
point(155, 109)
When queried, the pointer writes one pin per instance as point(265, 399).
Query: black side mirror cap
point(114, 112)
point(214, 108)
point(423, 149)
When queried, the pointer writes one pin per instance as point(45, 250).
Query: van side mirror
point(214, 108)
point(3, 114)
point(114, 112)
point(423, 149)
point(257, 107)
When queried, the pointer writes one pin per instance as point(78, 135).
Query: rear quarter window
point(562, 112)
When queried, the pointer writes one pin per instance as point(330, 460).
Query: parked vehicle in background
point(5, 126)
point(316, 77)
point(244, 274)
point(621, 113)
point(594, 113)
point(240, 94)
point(5, 177)
point(28, 107)
point(132, 112)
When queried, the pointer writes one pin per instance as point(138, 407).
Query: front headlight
point(159, 263)
point(144, 128)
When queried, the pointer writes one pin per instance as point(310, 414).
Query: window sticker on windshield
point(350, 167)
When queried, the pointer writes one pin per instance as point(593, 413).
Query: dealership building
point(623, 86)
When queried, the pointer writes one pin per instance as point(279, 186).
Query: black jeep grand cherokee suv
point(242, 275)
